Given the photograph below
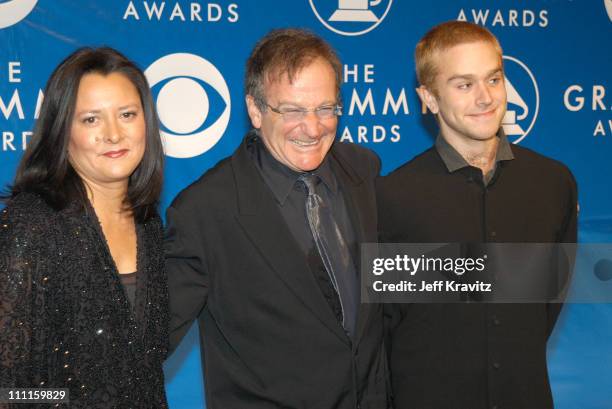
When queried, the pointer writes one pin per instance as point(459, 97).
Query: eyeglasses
point(298, 114)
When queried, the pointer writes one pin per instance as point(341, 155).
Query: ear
point(254, 112)
point(428, 98)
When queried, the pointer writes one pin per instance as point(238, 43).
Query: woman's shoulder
point(27, 210)
point(30, 203)
point(28, 200)
point(26, 235)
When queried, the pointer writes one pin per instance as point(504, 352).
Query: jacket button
point(496, 321)
point(496, 365)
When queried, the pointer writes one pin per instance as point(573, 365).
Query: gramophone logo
point(608, 4)
point(523, 100)
point(351, 17)
point(13, 11)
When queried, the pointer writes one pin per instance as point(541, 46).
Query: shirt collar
point(280, 178)
point(324, 171)
point(454, 161)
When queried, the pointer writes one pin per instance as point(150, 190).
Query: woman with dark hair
point(83, 296)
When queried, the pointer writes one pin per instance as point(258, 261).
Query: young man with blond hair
point(472, 187)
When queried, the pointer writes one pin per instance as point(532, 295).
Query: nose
point(484, 95)
point(112, 133)
point(311, 125)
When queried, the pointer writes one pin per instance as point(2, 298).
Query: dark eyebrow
point(471, 77)
point(134, 105)
point(97, 111)
point(294, 105)
point(88, 111)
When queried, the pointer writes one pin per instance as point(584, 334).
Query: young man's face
point(469, 94)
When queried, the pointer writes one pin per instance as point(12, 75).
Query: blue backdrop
point(557, 55)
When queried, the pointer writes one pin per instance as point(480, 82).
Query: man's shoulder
point(353, 150)
point(540, 166)
point(528, 156)
point(216, 183)
point(423, 163)
point(363, 160)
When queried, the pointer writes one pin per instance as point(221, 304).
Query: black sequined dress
point(65, 320)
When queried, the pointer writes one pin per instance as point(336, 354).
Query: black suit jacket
point(474, 356)
point(269, 338)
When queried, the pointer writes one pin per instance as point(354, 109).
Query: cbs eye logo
point(193, 103)
point(12, 12)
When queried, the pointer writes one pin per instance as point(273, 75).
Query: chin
point(120, 175)
point(308, 168)
point(484, 134)
point(309, 165)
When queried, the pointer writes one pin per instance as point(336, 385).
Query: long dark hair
point(45, 168)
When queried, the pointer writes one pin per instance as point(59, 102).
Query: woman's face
point(107, 137)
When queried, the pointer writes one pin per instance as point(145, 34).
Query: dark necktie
point(334, 252)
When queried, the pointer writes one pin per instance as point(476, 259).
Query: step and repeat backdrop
point(558, 62)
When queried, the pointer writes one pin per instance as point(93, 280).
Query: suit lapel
point(362, 211)
point(264, 225)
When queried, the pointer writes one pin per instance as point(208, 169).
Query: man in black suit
point(472, 187)
point(263, 249)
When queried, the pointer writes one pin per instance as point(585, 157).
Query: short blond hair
point(441, 38)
